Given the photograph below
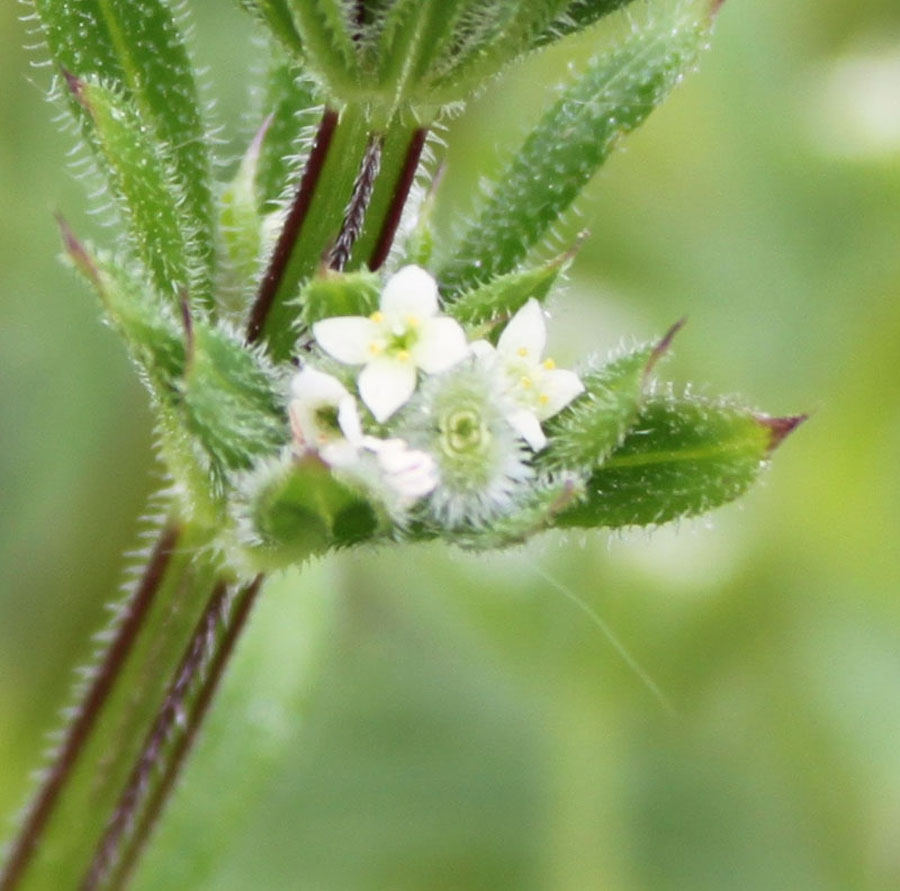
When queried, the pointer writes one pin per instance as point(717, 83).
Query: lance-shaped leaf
point(577, 15)
point(324, 29)
point(683, 456)
point(276, 15)
point(230, 402)
point(143, 184)
point(135, 47)
point(501, 298)
point(492, 37)
point(586, 431)
point(617, 92)
point(154, 339)
point(413, 36)
point(300, 508)
point(292, 105)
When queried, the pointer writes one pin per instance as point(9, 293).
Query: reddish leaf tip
point(780, 428)
point(75, 85)
point(663, 346)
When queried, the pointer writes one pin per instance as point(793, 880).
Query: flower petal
point(348, 420)
point(557, 389)
point(410, 293)
point(528, 427)
point(411, 473)
point(347, 338)
point(525, 335)
point(441, 343)
point(340, 453)
point(385, 384)
point(310, 385)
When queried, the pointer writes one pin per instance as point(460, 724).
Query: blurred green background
point(426, 719)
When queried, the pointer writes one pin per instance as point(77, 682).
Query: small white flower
point(406, 334)
point(537, 387)
point(411, 473)
point(324, 417)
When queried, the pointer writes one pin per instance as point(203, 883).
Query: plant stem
point(239, 611)
point(89, 710)
point(293, 226)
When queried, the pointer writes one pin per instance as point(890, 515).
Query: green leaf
point(499, 299)
point(492, 38)
point(578, 15)
point(324, 29)
point(230, 402)
point(301, 508)
point(276, 15)
point(412, 38)
point(340, 294)
point(140, 181)
point(583, 434)
point(134, 47)
point(614, 96)
point(241, 226)
point(683, 456)
point(291, 102)
point(155, 341)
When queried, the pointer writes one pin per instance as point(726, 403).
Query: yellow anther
point(549, 364)
point(403, 355)
point(543, 399)
point(375, 348)
point(522, 351)
point(413, 321)
point(377, 317)
point(526, 382)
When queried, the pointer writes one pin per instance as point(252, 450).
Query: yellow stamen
point(522, 351)
point(526, 382)
point(377, 317)
point(403, 355)
point(549, 364)
point(543, 399)
point(413, 321)
point(375, 348)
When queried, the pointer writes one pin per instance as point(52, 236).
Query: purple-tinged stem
point(89, 710)
point(268, 289)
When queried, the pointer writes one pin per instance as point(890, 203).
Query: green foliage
point(133, 47)
point(270, 468)
point(683, 456)
point(498, 300)
point(615, 94)
point(577, 15)
point(289, 101)
point(340, 294)
point(583, 435)
point(144, 187)
point(301, 508)
point(276, 15)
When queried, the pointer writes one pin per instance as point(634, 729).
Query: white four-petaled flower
point(405, 334)
point(324, 417)
point(537, 388)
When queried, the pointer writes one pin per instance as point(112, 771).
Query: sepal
point(297, 506)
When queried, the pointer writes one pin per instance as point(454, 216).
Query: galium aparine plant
point(322, 372)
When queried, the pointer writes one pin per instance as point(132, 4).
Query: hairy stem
point(44, 803)
point(238, 612)
point(293, 226)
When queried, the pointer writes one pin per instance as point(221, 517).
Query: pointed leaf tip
point(77, 252)
point(780, 428)
point(663, 346)
point(75, 85)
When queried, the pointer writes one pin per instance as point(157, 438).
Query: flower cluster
point(462, 419)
